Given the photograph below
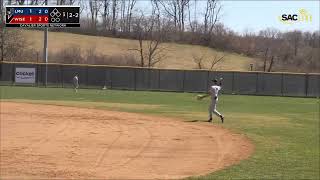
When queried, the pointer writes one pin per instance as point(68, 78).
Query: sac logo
point(302, 16)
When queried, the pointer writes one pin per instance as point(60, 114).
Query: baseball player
point(214, 92)
point(76, 83)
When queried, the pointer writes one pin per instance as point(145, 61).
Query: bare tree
point(122, 15)
point(265, 59)
point(94, 9)
point(211, 16)
point(114, 16)
point(131, 4)
point(64, 2)
point(201, 59)
point(61, 2)
point(315, 39)
point(198, 59)
point(106, 13)
point(215, 60)
point(176, 9)
point(156, 51)
point(71, 2)
point(270, 33)
point(151, 51)
point(193, 22)
point(182, 6)
point(171, 10)
point(126, 8)
point(83, 6)
point(20, 2)
point(139, 30)
point(34, 2)
point(294, 38)
point(117, 15)
point(271, 64)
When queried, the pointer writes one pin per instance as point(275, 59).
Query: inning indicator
point(43, 16)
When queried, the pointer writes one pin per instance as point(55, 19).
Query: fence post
point(62, 75)
point(58, 74)
point(1, 71)
point(87, 76)
point(159, 74)
point(257, 83)
point(135, 78)
point(37, 75)
point(232, 83)
point(183, 80)
point(318, 94)
point(148, 78)
point(281, 84)
point(13, 73)
point(263, 82)
point(208, 73)
point(307, 83)
point(111, 77)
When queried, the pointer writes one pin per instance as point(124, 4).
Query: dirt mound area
point(46, 141)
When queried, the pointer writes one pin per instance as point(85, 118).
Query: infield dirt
point(47, 141)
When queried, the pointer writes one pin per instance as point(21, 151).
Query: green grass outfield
point(285, 130)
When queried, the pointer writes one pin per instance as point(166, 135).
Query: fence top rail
point(153, 68)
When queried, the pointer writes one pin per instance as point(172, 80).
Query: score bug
point(40, 16)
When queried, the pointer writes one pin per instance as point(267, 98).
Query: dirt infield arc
point(46, 141)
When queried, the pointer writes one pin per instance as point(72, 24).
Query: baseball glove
point(200, 97)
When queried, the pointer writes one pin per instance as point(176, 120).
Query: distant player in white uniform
point(214, 92)
point(76, 83)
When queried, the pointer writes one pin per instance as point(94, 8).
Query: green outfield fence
point(133, 78)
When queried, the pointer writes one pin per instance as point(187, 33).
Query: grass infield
point(285, 130)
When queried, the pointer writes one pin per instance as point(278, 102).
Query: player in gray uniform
point(214, 92)
point(76, 83)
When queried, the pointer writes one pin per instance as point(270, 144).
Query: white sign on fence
point(25, 75)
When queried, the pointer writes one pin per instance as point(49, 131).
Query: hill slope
point(177, 56)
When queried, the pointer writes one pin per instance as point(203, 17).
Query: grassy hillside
point(177, 56)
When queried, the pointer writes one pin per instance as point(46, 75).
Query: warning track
point(46, 141)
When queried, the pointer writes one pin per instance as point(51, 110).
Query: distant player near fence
point(76, 83)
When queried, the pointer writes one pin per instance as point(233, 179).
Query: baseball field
point(56, 133)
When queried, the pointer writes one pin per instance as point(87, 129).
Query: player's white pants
point(75, 86)
point(212, 109)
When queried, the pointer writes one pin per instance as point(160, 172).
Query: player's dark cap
point(214, 80)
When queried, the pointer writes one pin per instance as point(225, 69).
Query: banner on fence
point(25, 75)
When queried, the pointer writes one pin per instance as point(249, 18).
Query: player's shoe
point(222, 118)
point(210, 120)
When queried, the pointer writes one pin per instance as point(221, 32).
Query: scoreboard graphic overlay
point(43, 16)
